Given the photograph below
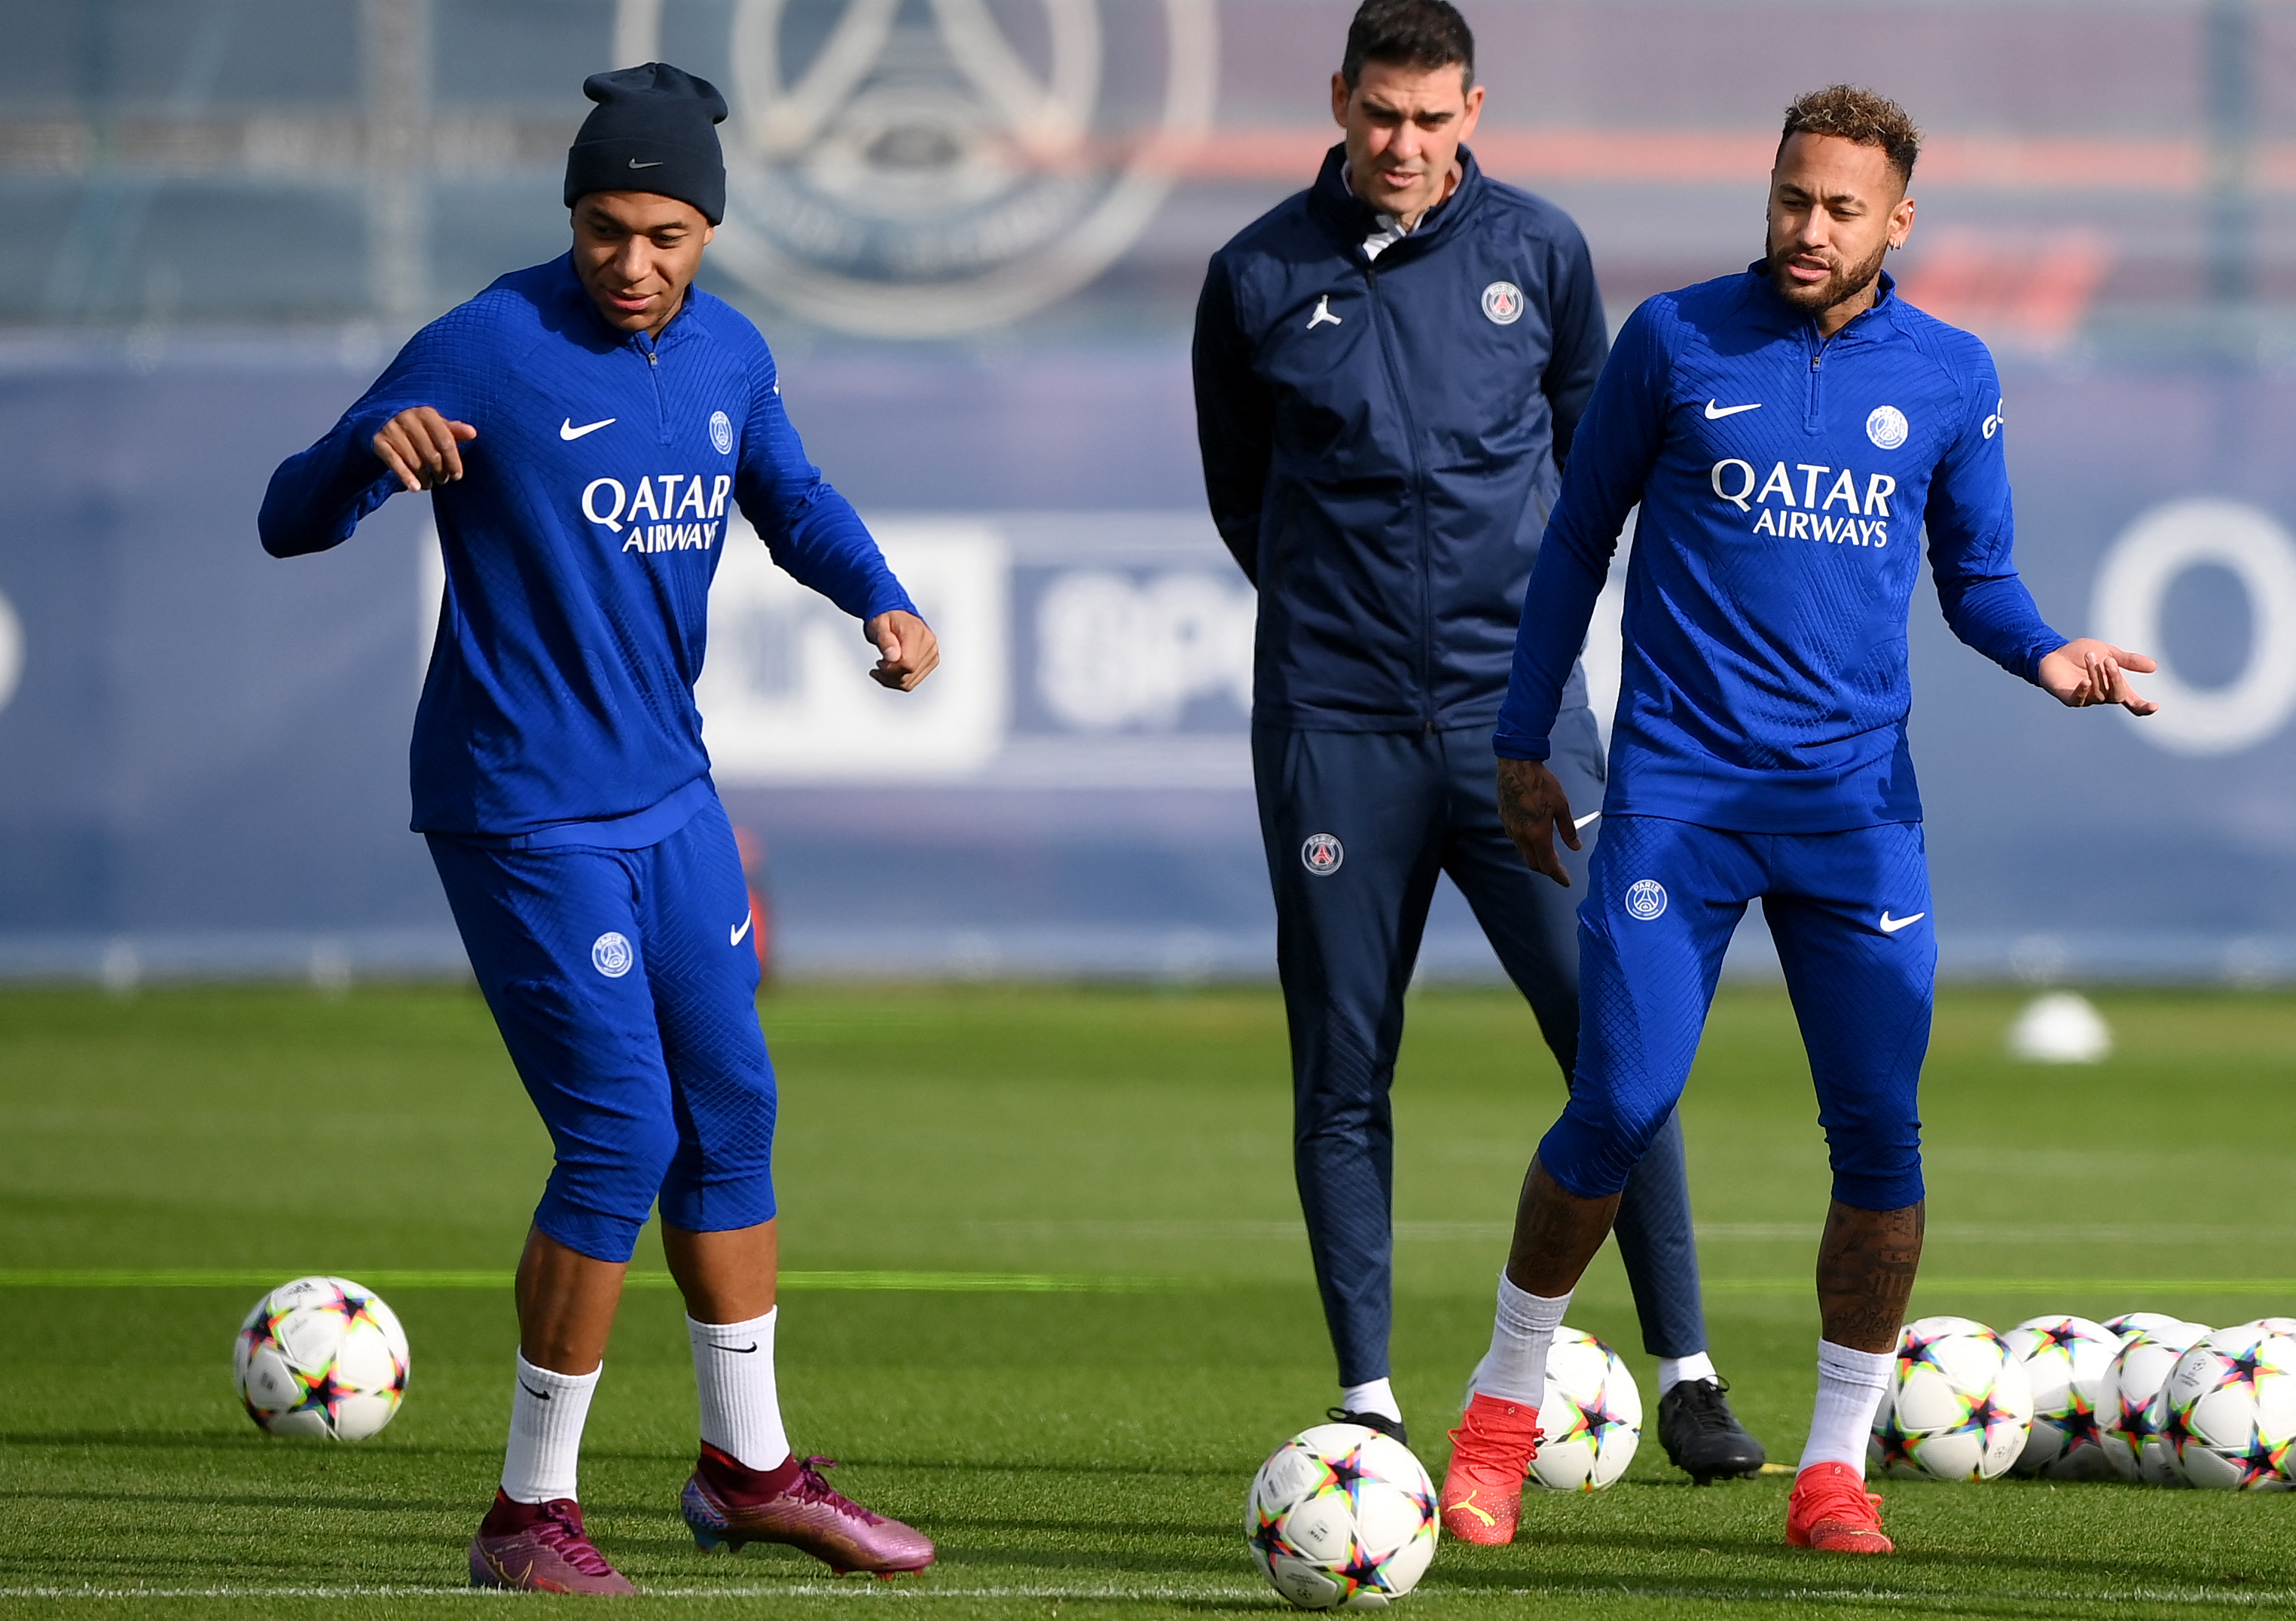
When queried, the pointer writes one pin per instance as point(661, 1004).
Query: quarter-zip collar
point(1350, 218)
point(673, 330)
point(1867, 324)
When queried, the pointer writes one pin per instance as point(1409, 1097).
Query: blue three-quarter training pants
point(625, 986)
point(1850, 915)
point(1357, 826)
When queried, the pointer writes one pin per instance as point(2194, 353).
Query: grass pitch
point(1121, 1325)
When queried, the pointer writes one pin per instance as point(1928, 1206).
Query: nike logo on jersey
point(1715, 414)
point(739, 934)
point(1322, 316)
point(568, 430)
point(1890, 925)
point(656, 163)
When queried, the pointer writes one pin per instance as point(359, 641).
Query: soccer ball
point(2229, 1411)
point(321, 1356)
point(2133, 1416)
point(2069, 1363)
point(1959, 1406)
point(1341, 1516)
point(2140, 1322)
point(1592, 1416)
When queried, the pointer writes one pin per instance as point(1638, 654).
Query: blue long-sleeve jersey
point(579, 547)
point(1784, 482)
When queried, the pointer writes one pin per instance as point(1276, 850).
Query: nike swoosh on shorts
point(1890, 925)
point(738, 933)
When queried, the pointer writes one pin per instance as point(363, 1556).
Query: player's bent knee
point(1592, 1155)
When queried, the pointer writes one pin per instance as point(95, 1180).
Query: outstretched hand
point(2087, 671)
point(423, 447)
point(1534, 808)
point(906, 650)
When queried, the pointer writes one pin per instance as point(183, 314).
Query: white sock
point(1514, 1369)
point(1851, 1385)
point(741, 1406)
point(546, 1412)
point(1376, 1396)
point(1673, 1370)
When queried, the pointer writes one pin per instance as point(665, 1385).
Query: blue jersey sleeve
point(1575, 361)
point(812, 531)
point(317, 497)
point(1972, 527)
point(1618, 443)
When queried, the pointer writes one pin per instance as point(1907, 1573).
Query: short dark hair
point(1853, 113)
point(1427, 34)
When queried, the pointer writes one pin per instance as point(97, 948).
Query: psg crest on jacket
point(916, 171)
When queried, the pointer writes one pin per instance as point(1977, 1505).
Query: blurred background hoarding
point(973, 231)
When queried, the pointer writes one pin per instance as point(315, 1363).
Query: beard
point(1845, 283)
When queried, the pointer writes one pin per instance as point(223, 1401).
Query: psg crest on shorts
point(917, 170)
point(1646, 898)
point(1322, 855)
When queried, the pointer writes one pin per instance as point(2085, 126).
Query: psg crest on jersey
point(1322, 855)
point(1503, 303)
point(916, 170)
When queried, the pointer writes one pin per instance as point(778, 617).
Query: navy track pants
point(1357, 825)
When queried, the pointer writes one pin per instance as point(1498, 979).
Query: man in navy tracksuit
point(1389, 369)
point(593, 432)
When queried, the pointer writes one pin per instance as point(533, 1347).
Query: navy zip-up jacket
point(1785, 481)
point(579, 547)
point(1381, 441)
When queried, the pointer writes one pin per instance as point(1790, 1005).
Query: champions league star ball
point(2139, 1323)
point(1959, 1406)
point(321, 1356)
point(1591, 1417)
point(2068, 1364)
point(1341, 1517)
point(2228, 1412)
point(2133, 1416)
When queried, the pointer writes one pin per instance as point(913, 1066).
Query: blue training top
point(1784, 481)
point(579, 547)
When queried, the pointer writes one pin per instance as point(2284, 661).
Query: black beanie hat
point(652, 130)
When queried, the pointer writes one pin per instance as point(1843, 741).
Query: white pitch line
point(799, 1589)
point(874, 1591)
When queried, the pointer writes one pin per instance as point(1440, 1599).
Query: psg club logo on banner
point(1322, 855)
point(920, 170)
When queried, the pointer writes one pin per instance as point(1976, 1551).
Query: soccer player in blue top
point(1788, 433)
point(589, 429)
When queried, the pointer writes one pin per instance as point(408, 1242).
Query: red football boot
point(727, 1505)
point(1831, 1512)
point(1490, 1454)
point(540, 1547)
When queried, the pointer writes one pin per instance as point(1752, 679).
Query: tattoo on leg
point(1556, 1235)
point(1866, 1267)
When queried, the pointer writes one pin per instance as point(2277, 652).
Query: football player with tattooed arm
point(1789, 432)
point(1389, 370)
point(590, 428)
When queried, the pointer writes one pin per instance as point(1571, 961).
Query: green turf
point(1066, 1447)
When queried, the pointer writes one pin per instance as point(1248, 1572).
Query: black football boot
point(1702, 1437)
point(1390, 1427)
